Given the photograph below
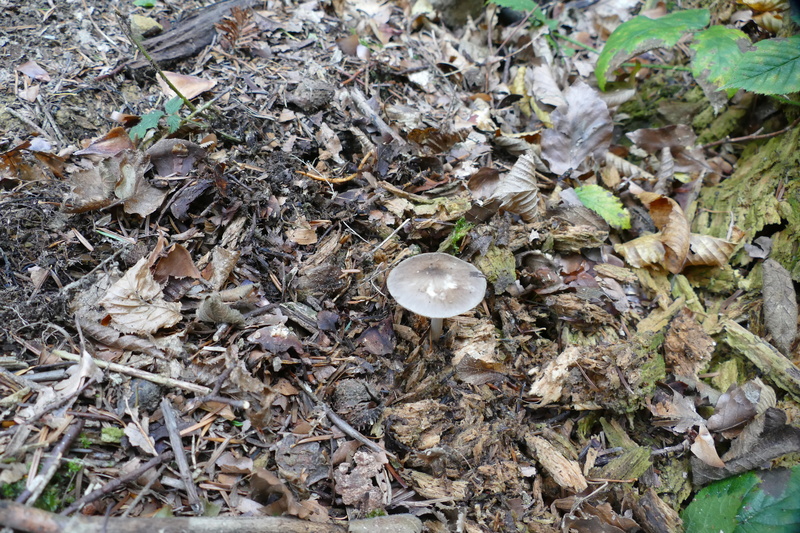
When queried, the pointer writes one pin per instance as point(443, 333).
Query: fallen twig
point(135, 372)
point(346, 428)
point(29, 496)
point(21, 518)
point(111, 486)
point(171, 422)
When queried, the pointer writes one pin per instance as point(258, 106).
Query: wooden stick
point(28, 519)
point(135, 372)
point(171, 421)
point(114, 484)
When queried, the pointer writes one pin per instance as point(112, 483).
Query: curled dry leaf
point(674, 226)
point(644, 251)
point(189, 86)
point(705, 250)
point(518, 191)
point(581, 130)
point(136, 303)
point(110, 144)
point(703, 448)
point(670, 246)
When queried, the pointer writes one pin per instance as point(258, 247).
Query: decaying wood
point(189, 35)
point(778, 368)
point(22, 518)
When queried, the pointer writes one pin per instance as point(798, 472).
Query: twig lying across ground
point(135, 372)
point(113, 485)
point(346, 428)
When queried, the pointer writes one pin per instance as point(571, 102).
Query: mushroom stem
point(436, 328)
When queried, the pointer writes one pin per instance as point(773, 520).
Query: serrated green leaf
point(149, 121)
point(519, 5)
point(641, 34)
point(173, 105)
point(754, 502)
point(173, 123)
point(772, 68)
point(717, 51)
point(604, 204)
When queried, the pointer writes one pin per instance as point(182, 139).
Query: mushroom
point(437, 286)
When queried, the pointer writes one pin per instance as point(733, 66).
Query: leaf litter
point(238, 267)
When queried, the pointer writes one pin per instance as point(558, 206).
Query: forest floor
point(195, 315)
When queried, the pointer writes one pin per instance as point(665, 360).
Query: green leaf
point(764, 501)
point(145, 3)
point(717, 52)
point(173, 123)
point(641, 34)
point(604, 204)
point(519, 5)
point(173, 105)
point(149, 121)
point(772, 68)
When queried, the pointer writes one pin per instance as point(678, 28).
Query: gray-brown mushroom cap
point(436, 285)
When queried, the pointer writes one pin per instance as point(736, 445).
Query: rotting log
point(29, 519)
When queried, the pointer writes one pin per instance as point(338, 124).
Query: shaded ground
point(232, 281)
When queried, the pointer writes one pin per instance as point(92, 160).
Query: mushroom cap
point(436, 285)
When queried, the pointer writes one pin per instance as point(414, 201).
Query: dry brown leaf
point(705, 250)
point(581, 131)
point(177, 264)
point(112, 143)
point(780, 305)
point(136, 303)
point(669, 218)
point(735, 407)
point(703, 448)
point(189, 86)
point(643, 251)
point(518, 190)
point(34, 71)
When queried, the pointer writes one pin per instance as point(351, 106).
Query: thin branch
point(135, 372)
point(115, 484)
point(754, 137)
point(171, 422)
point(50, 467)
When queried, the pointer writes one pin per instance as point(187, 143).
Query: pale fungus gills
point(437, 286)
